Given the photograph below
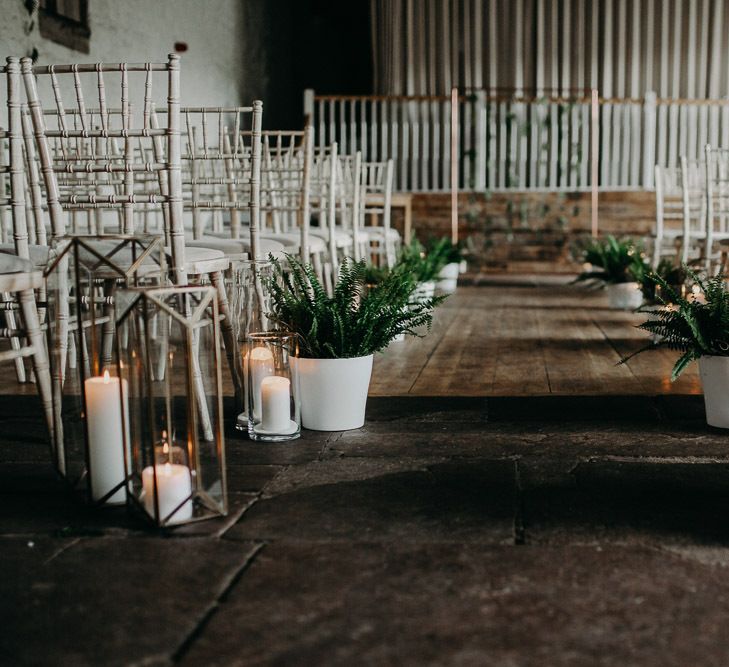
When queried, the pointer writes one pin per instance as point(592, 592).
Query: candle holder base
point(257, 432)
point(241, 422)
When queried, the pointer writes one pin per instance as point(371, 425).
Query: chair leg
point(40, 356)
point(228, 332)
point(14, 342)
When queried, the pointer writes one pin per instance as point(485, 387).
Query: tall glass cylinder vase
point(250, 306)
point(81, 279)
point(274, 408)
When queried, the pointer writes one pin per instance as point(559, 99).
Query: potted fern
point(698, 328)
point(339, 334)
point(423, 266)
point(619, 266)
point(451, 255)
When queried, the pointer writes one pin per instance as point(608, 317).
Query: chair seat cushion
point(235, 248)
point(380, 232)
point(342, 237)
point(292, 241)
point(38, 254)
point(14, 264)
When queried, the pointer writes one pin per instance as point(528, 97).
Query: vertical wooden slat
point(374, 130)
point(321, 134)
point(673, 113)
point(714, 69)
point(363, 108)
point(519, 141)
point(662, 132)
point(343, 137)
point(415, 145)
point(554, 82)
point(477, 26)
point(403, 183)
point(690, 122)
point(492, 120)
point(632, 150)
point(702, 75)
point(538, 111)
point(607, 91)
point(435, 150)
point(621, 112)
point(394, 132)
point(446, 152)
point(425, 148)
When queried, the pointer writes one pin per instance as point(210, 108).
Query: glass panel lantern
point(274, 409)
point(81, 277)
point(168, 343)
point(250, 304)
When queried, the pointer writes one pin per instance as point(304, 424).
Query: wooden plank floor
point(518, 338)
point(528, 338)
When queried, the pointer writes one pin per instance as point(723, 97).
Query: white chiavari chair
point(717, 205)
point(376, 200)
point(669, 213)
point(18, 277)
point(693, 199)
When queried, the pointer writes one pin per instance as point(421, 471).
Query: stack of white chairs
point(126, 162)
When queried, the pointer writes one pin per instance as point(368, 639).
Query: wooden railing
point(515, 140)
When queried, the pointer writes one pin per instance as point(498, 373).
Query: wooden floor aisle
point(526, 337)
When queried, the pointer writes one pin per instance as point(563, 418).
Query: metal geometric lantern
point(169, 366)
point(81, 277)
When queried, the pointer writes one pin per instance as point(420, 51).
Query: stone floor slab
point(454, 501)
point(110, 601)
point(653, 503)
point(469, 604)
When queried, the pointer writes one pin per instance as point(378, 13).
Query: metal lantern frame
point(153, 418)
point(77, 304)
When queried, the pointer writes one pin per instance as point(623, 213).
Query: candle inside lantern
point(260, 360)
point(275, 404)
point(106, 440)
point(174, 487)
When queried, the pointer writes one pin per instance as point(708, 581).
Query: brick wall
point(530, 231)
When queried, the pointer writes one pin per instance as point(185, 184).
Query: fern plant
point(693, 327)
point(614, 261)
point(444, 249)
point(424, 266)
point(356, 321)
point(675, 275)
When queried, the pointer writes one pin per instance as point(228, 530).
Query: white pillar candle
point(275, 404)
point(106, 435)
point(174, 485)
point(260, 362)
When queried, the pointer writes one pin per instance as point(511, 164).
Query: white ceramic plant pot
point(424, 291)
point(625, 296)
point(334, 392)
point(714, 373)
point(448, 278)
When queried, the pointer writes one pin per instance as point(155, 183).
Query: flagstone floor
point(551, 529)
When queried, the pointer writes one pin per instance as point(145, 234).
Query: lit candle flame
point(106, 377)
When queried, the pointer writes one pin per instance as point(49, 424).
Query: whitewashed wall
point(677, 48)
point(146, 30)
